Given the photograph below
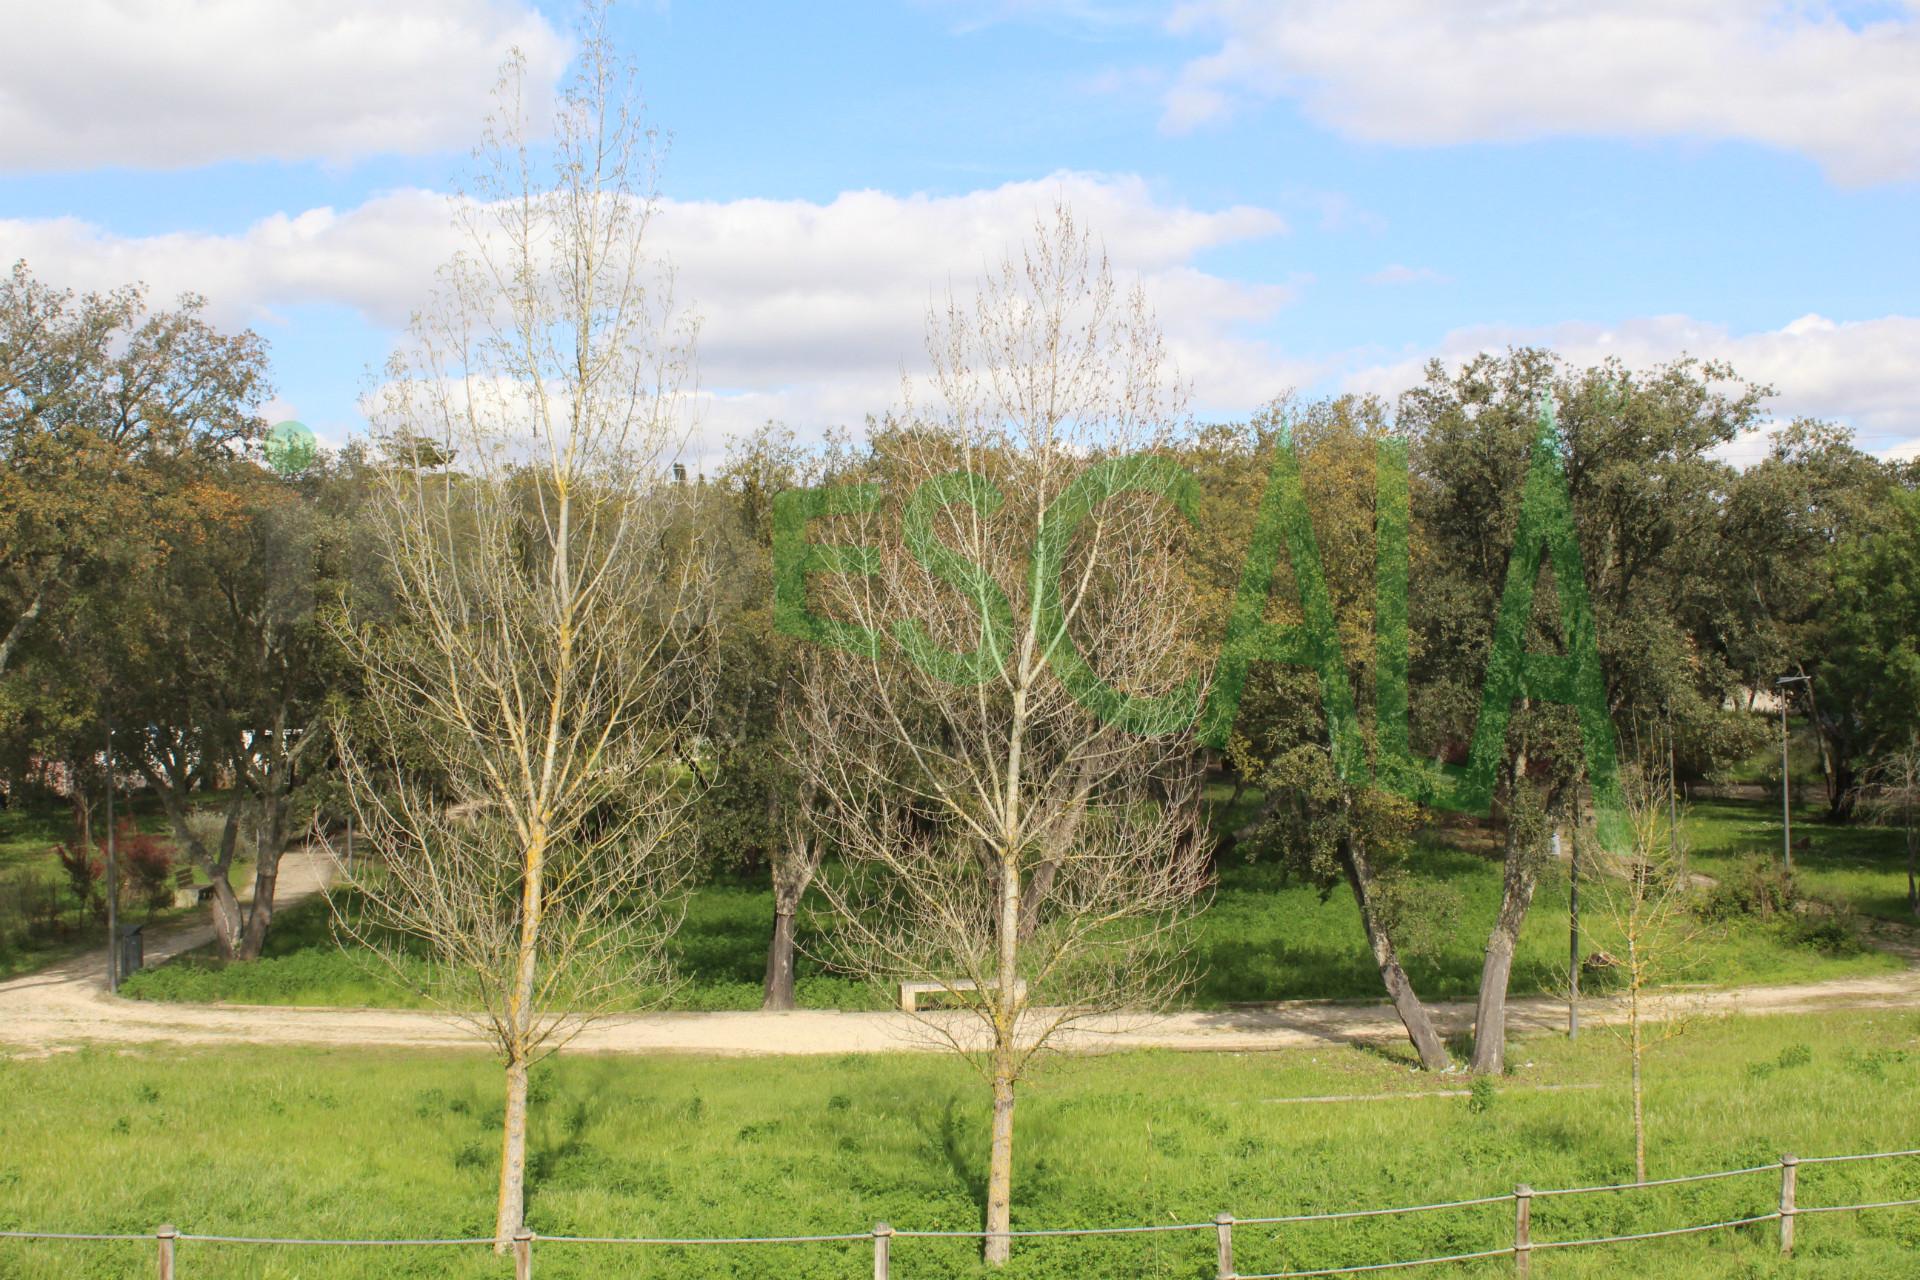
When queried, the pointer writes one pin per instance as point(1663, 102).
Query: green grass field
point(1261, 938)
point(391, 1144)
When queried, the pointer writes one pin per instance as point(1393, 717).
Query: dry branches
point(1003, 828)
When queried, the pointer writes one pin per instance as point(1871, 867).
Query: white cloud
point(1795, 75)
point(378, 258)
point(1865, 373)
point(1395, 273)
point(164, 84)
point(810, 310)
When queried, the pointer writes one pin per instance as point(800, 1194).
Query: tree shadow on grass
point(559, 1155)
point(971, 1177)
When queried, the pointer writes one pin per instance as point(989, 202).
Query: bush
point(1757, 886)
point(84, 868)
point(149, 865)
point(146, 865)
point(1828, 935)
point(30, 905)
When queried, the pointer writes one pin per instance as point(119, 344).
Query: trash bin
point(132, 949)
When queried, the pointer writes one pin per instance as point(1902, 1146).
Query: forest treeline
point(157, 575)
point(160, 576)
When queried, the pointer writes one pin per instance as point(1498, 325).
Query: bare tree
point(531, 690)
point(1891, 793)
point(1005, 828)
point(1645, 904)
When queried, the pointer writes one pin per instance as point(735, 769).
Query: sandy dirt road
point(67, 1005)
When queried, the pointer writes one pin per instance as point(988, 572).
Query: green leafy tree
point(1785, 519)
point(753, 814)
point(224, 668)
point(1329, 829)
point(1869, 673)
point(1646, 494)
point(99, 399)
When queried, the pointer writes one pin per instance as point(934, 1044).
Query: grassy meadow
point(365, 1143)
point(404, 1144)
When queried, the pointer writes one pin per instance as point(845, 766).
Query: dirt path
point(67, 1004)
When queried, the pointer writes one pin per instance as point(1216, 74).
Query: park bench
point(185, 892)
point(911, 992)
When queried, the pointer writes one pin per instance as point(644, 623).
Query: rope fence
point(167, 1238)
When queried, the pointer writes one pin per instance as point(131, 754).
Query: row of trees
point(547, 676)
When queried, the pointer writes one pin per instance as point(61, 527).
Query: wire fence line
point(167, 1238)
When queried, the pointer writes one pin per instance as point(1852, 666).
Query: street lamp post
point(113, 883)
point(1786, 778)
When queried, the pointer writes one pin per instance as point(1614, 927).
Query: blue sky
point(1316, 194)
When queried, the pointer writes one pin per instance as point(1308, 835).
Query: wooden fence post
point(165, 1237)
point(1223, 1227)
point(1523, 1230)
point(882, 1251)
point(523, 1255)
point(1789, 1177)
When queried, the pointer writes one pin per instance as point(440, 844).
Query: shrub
point(30, 905)
point(1829, 935)
point(1757, 886)
point(149, 865)
point(84, 868)
point(146, 867)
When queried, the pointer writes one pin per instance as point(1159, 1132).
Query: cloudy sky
point(1317, 194)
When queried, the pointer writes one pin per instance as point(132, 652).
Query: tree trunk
point(512, 1213)
point(1406, 1003)
point(793, 870)
point(266, 876)
point(1490, 1013)
point(1239, 789)
point(1267, 809)
point(1639, 1111)
point(19, 627)
point(999, 1245)
point(1038, 885)
point(1007, 1011)
point(1843, 791)
point(777, 993)
point(173, 788)
point(253, 939)
point(227, 924)
point(1835, 773)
